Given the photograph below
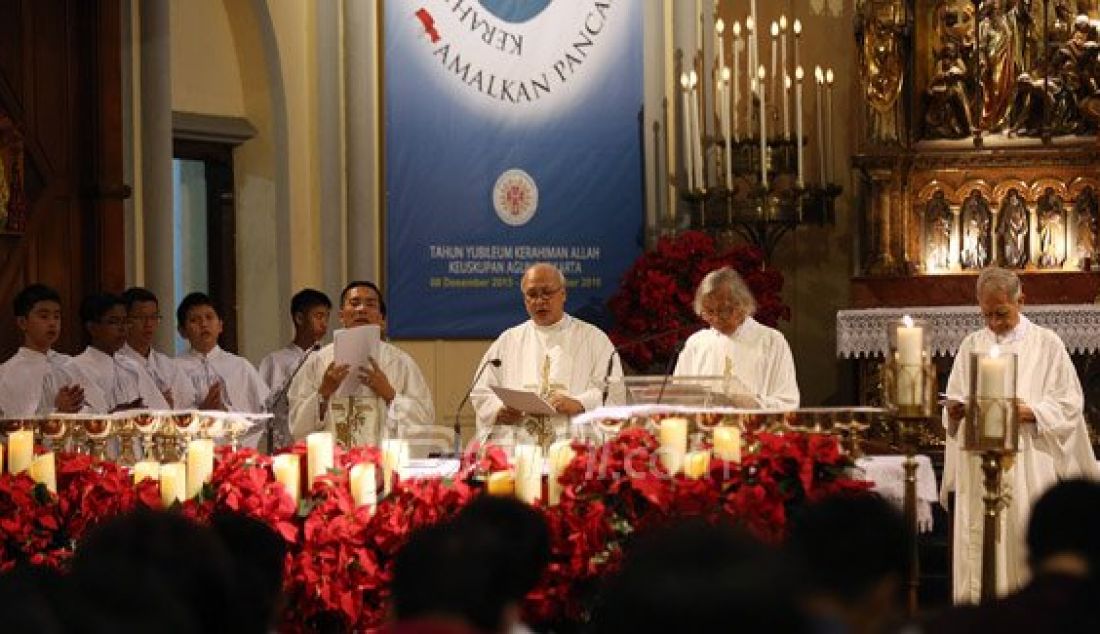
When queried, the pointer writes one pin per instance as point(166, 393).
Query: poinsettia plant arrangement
point(653, 306)
point(340, 556)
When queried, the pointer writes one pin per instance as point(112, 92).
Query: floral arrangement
point(653, 306)
point(340, 558)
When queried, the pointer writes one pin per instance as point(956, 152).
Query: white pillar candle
point(696, 131)
point(830, 142)
point(750, 67)
point(726, 128)
point(696, 464)
point(146, 469)
point(20, 450)
point(395, 456)
point(736, 78)
point(786, 76)
point(755, 38)
point(719, 31)
point(363, 481)
point(775, 69)
point(763, 130)
point(798, 124)
point(689, 147)
point(287, 469)
point(992, 374)
point(673, 439)
point(558, 457)
point(319, 455)
point(910, 342)
point(786, 108)
point(43, 470)
point(200, 464)
point(727, 443)
point(819, 77)
point(528, 473)
point(173, 483)
point(797, 29)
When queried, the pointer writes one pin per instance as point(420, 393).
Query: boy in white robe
point(144, 317)
point(751, 355)
point(552, 352)
point(38, 315)
point(403, 398)
point(111, 381)
point(310, 310)
point(1053, 443)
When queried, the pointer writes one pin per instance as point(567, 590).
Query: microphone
point(457, 428)
point(607, 374)
point(275, 397)
point(668, 369)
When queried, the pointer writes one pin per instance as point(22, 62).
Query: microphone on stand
point(457, 428)
point(275, 397)
point(668, 369)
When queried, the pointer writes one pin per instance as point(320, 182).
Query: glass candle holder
point(909, 380)
point(992, 418)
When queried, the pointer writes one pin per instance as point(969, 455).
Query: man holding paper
point(555, 355)
point(1054, 442)
point(359, 364)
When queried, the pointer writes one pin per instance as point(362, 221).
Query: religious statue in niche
point(976, 222)
point(938, 221)
point(1001, 42)
point(1012, 234)
point(947, 103)
point(13, 200)
point(1085, 208)
point(1052, 230)
point(882, 37)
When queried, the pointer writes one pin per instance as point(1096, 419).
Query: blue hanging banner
point(513, 135)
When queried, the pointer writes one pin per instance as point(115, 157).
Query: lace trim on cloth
point(862, 333)
point(888, 474)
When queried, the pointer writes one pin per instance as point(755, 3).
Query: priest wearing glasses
point(745, 352)
point(564, 359)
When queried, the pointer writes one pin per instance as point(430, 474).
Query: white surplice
point(758, 356)
point(411, 406)
point(1056, 446)
point(578, 353)
point(242, 388)
point(275, 370)
point(108, 381)
point(22, 379)
point(166, 375)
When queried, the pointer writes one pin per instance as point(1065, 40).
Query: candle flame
point(737, 29)
point(761, 73)
point(994, 352)
point(797, 26)
point(749, 24)
point(829, 77)
point(782, 22)
point(725, 73)
point(693, 79)
point(775, 29)
point(818, 74)
point(908, 321)
point(786, 80)
point(798, 74)
point(684, 80)
point(719, 26)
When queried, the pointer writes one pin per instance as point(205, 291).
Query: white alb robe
point(108, 381)
point(759, 357)
point(243, 389)
point(275, 370)
point(579, 354)
point(1056, 446)
point(166, 375)
point(411, 406)
point(22, 379)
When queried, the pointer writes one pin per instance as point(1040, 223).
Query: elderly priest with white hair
point(1054, 442)
point(559, 356)
point(736, 346)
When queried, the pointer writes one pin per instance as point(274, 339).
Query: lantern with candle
point(909, 378)
point(991, 417)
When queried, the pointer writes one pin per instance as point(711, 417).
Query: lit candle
point(44, 471)
point(146, 469)
point(559, 456)
point(786, 110)
point(719, 31)
point(736, 79)
point(763, 131)
point(797, 28)
point(727, 443)
point(319, 455)
point(992, 375)
point(20, 450)
point(798, 123)
point(696, 464)
point(829, 140)
point(755, 39)
point(501, 483)
point(395, 456)
point(673, 439)
point(363, 481)
point(819, 76)
point(200, 464)
point(725, 84)
point(750, 66)
point(696, 136)
point(689, 147)
point(528, 473)
point(775, 54)
point(786, 76)
point(910, 342)
point(173, 483)
point(287, 470)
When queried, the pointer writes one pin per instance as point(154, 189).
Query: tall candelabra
point(746, 171)
point(909, 391)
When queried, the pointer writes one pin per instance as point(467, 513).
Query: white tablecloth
point(888, 474)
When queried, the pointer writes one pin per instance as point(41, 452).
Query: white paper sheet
point(524, 401)
point(354, 347)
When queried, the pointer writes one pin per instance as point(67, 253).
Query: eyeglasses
point(718, 312)
point(535, 294)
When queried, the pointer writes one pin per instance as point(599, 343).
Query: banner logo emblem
point(515, 197)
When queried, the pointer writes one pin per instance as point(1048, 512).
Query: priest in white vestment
point(22, 377)
point(393, 380)
point(144, 317)
point(559, 356)
point(1054, 441)
point(749, 355)
point(309, 311)
point(111, 381)
point(222, 380)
